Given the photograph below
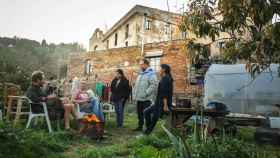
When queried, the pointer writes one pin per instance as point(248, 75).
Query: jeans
point(141, 106)
point(119, 109)
point(97, 109)
point(152, 114)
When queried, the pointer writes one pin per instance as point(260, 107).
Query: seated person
point(37, 95)
point(88, 102)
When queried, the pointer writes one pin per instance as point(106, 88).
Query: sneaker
point(119, 127)
point(147, 132)
point(138, 129)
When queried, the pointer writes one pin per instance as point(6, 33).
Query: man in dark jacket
point(37, 95)
point(120, 93)
point(35, 92)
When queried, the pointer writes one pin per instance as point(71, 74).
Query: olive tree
point(251, 34)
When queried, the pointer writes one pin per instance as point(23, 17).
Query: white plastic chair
point(108, 109)
point(78, 111)
point(34, 115)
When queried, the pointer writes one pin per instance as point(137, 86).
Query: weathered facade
point(103, 64)
point(96, 41)
point(142, 32)
point(140, 25)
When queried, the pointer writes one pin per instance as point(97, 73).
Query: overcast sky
point(66, 20)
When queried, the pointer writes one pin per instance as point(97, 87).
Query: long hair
point(167, 70)
point(120, 71)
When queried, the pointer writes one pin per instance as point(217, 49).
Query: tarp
point(233, 86)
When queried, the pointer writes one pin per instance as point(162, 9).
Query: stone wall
point(105, 63)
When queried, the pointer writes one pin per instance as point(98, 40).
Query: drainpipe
point(143, 33)
point(142, 46)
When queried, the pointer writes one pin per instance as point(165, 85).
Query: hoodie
point(145, 88)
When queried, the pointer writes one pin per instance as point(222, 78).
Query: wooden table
point(180, 115)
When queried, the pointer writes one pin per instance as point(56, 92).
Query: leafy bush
point(146, 151)
point(229, 148)
point(104, 152)
point(154, 141)
point(216, 147)
point(17, 143)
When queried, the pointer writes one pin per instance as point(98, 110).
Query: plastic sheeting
point(233, 86)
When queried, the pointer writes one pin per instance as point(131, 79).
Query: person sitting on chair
point(37, 95)
point(88, 101)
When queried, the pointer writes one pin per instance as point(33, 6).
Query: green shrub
point(154, 141)
point(216, 147)
point(21, 143)
point(104, 152)
point(146, 152)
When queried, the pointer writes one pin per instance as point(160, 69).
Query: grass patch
point(121, 143)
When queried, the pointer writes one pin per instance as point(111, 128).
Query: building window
point(155, 62)
point(221, 45)
point(88, 67)
point(126, 31)
point(148, 24)
point(167, 29)
point(97, 34)
point(116, 39)
point(107, 44)
point(126, 43)
point(184, 35)
point(95, 48)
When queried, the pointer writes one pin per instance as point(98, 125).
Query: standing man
point(144, 91)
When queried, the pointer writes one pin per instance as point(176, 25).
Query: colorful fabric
point(99, 89)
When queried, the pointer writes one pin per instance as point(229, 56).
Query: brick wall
point(174, 55)
point(104, 63)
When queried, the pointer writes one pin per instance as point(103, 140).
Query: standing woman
point(120, 93)
point(163, 100)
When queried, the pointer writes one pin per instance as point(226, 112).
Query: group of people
point(63, 105)
point(153, 96)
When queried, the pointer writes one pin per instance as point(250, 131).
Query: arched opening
point(95, 47)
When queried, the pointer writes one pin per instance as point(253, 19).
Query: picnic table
point(181, 115)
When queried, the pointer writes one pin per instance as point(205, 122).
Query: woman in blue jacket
point(163, 100)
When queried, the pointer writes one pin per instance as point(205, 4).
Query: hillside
point(19, 57)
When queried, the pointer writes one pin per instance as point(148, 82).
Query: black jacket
point(35, 94)
point(120, 91)
point(165, 90)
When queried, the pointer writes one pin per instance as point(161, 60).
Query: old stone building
point(140, 25)
point(142, 32)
